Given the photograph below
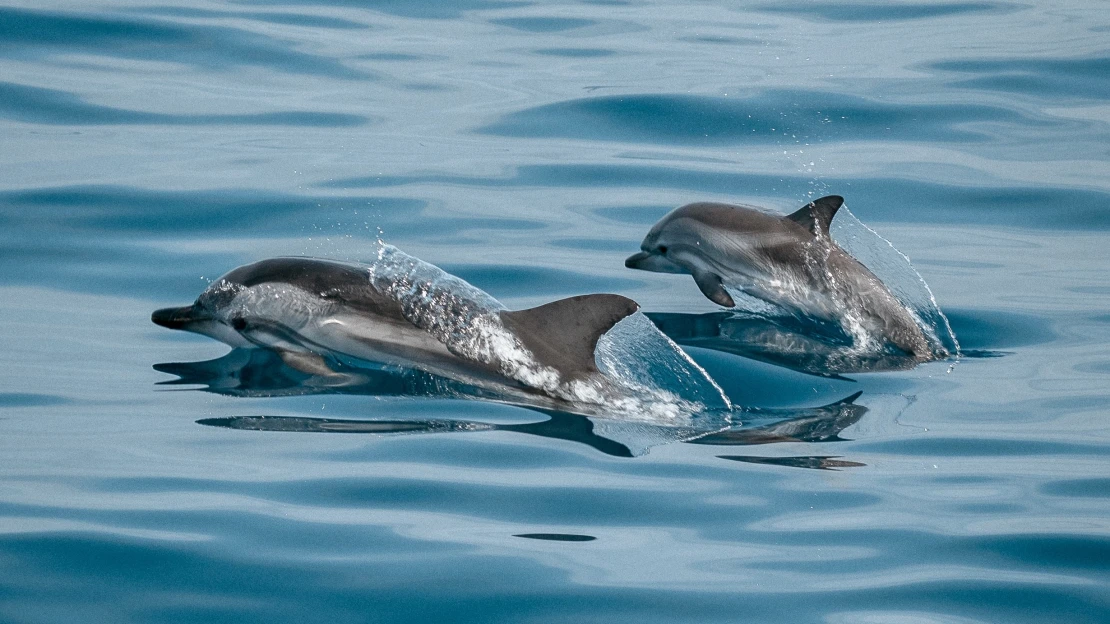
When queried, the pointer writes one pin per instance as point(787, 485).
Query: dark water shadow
point(825, 351)
point(886, 12)
point(291, 19)
point(815, 349)
point(38, 34)
point(1081, 77)
point(682, 119)
point(52, 107)
point(558, 537)
point(27, 399)
point(987, 331)
point(406, 8)
point(814, 424)
point(543, 24)
point(560, 426)
point(814, 462)
point(262, 373)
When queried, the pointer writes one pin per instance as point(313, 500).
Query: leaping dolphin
point(305, 307)
point(790, 261)
point(402, 312)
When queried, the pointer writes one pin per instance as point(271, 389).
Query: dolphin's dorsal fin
point(817, 215)
point(563, 334)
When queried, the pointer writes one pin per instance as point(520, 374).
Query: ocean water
point(151, 476)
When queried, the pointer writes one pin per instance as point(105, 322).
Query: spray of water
point(646, 377)
point(896, 270)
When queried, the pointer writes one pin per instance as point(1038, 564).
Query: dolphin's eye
point(662, 249)
point(238, 323)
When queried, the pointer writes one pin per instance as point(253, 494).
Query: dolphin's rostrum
point(789, 261)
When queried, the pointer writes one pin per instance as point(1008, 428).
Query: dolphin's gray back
point(365, 321)
point(731, 229)
point(343, 284)
point(362, 320)
point(730, 217)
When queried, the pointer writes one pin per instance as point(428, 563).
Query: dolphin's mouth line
point(633, 261)
point(179, 318)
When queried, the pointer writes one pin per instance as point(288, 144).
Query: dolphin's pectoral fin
point(563, 334)
point(818, 215)
point(711, 286)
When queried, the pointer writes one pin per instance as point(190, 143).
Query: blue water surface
point(527, 147)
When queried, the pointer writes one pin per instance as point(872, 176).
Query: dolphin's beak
point(176, 318)
point(645, 261)
point(635, 260)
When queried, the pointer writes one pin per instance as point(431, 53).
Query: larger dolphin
point(415, 317)
point(790, 261)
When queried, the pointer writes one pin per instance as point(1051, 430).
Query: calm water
point(527, 147)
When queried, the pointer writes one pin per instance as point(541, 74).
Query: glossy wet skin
point(311, 288)
point(307, 305)
point(306, 309)
point(739, 241)
point(779, 260)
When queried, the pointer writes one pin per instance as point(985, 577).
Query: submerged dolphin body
point(790, 261)
point(402, 312)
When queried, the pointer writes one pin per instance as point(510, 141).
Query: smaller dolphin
point(790, 261)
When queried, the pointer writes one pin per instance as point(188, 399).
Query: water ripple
point(885, 198)
point(769, 117)
point(27, 33)
point(1087, 78)
point(49, 106)
point(868, 12)
point(529, 146)
point(405, 8)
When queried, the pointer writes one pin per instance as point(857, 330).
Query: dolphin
point(789, 261)
point(306, 309)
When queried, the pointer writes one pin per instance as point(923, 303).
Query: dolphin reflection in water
point(263, 373)
point(780, 340)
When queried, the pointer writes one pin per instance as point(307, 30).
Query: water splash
point(645, 377)
point(827, 335)
point(896, 270)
